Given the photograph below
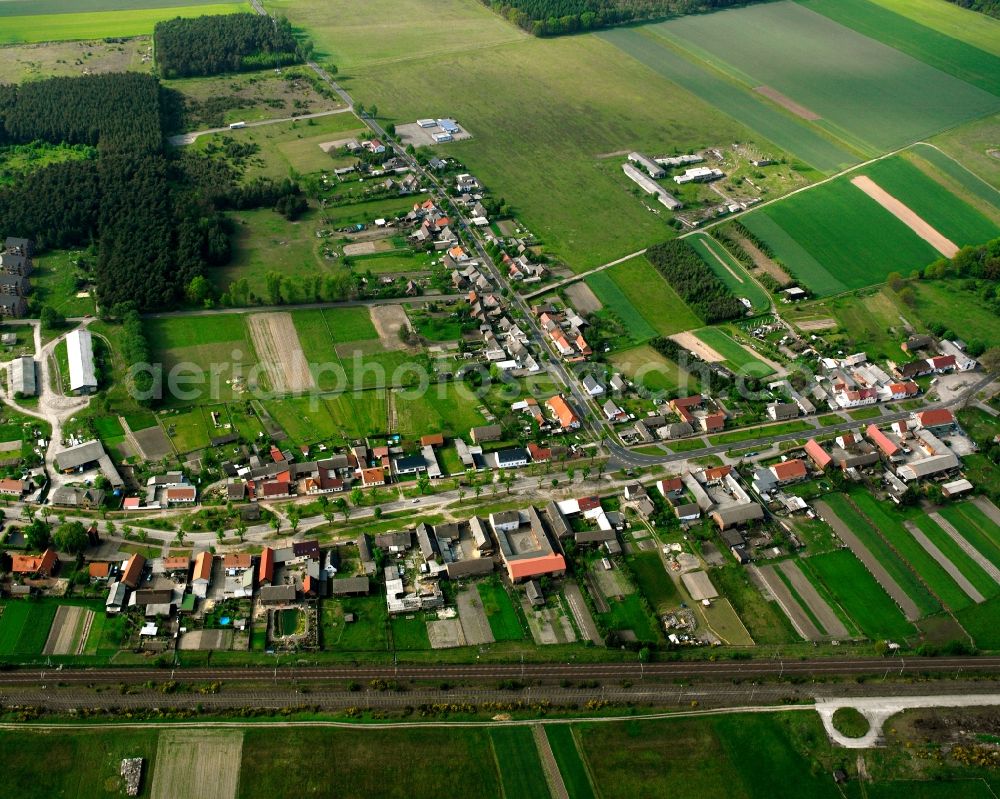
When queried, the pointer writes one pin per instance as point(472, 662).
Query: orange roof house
point(265, 569)
point(432, 440)
point(562, 412)
point(717, 473)
point(528, 568)
point(133, 571)
point(373, 477)
point(882, 441)
point(789, 470)
point(202, 567)
point(11, 488)
point(939, 417)
point(42, 565)
point(237, 560)
point(817, 454)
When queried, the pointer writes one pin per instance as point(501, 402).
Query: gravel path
point(892, 588)
point(987, 507)
point(963, 582)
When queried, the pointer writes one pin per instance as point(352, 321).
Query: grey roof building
point(22, 376)
point(80, 350)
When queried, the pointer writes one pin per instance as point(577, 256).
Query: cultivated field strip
point(807, 591)
point(552, 774)
point(963, 582)
point(796, 614)
point(277, 344)
point(920, 226)
point(981, 560)
point(191, 764)
point(68, 634)
point(878, 571)
point(987, 507)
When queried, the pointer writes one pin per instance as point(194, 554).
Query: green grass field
point(134, 20)
point(842, 576)
point(978, 190)
point(441, 762)
point(963, 312)
point(654, 582)
point(646, 366)
point(972, 145)
point(367, 633)
point(972, 571)
point(866, 93)
point(608, 100)
point(570, 762)
point(834, 238)
point(386, 31)
point(871, 535)
point(449, 408)
point(521, 771)
point(730, 271)
point(306, 420)
point(644, 302)
point(959, 23)
point(964, 61)
point(629, 614)
point(77, 766)
point(980, 621)
point(738, 359)
point(812, 146)
point(24, 627)
point(750, 433)
point(504, 621)
point(409, 634)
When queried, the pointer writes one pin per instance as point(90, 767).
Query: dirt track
point(690, 341)
point(279, 351)
point(943, 245)
point(787, 103)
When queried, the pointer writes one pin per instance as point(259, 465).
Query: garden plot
point(582, 297)
point(446, 634)
point(810, 596)
point(194, 763)
point(548, 625)
point(612, 583)
point(878, 571)
point(953, 571)
point(389, 320)
point(981, 560)
point(475, 625)
point(922, 228)
point(689, 341)
point(70, 628)
point(769, 579)
point(277, 344)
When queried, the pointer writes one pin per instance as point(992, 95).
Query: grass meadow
point(441, 762)
point(448, 408)
point(976, 528)
point(842, 576)
point(959, 23)
point(931, 201)
point(951, 173)
point(574, 773)
point(24, 627)
point(644, 302)
point(504, 621)
point(542, 113)
point(972, 571)
point(972, 145)
point(520, 765)
point(657, 373)
point(135, 19)
point(866, 93)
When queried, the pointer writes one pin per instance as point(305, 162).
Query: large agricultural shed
point(22, 376)
point(80, 351)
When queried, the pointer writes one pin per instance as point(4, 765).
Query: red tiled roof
point(562, 411)
point(11, 486)
point(588, 503)
point(539, 454)
point(133, 571)
point(203, 566)
point(717, 472)
point(181, 493)
point(432, 440)
point(265, 570)
point(276, 488)
point(535, 567)
point(942, 361)
point(372, 476)
point(819, 456)
point(176, 563)
point(34, 564)
point(790, 470)
point(237, 560)
point(935, 417)
point(99, 569)
point(882, 441)
point(671, 485)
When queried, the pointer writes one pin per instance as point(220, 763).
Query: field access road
point(893, 666)
point(182, 139)
point(307, 306)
